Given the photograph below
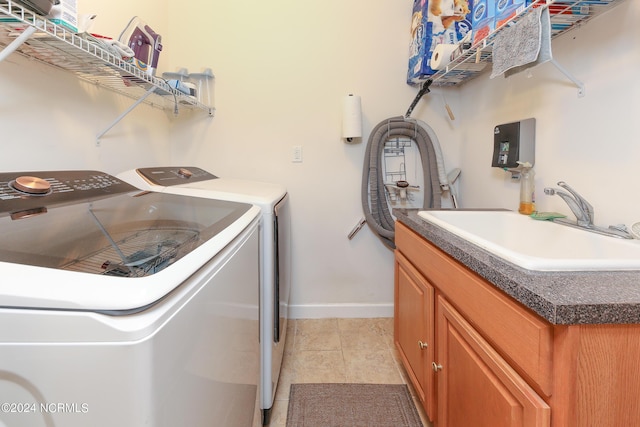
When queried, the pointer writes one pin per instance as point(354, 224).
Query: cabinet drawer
point(521, 337)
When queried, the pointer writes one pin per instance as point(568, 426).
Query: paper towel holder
point(351, 118)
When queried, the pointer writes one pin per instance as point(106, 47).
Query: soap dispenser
point(527, 188)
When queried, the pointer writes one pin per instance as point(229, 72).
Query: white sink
point(538, 245)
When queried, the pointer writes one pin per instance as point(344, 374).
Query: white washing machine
point(125, 308)
point(275, 250)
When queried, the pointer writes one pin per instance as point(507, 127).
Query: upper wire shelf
point(59, 47)
point(565, 16)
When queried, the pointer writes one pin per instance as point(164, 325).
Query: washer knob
point(31, 185)
point(185, 173)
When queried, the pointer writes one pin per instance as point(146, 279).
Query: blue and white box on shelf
point(435, 22)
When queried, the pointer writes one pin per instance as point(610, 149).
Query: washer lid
point(114, 253)
point(193, 181)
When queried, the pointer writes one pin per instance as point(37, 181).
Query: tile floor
point(341, 351)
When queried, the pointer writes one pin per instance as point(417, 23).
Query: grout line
point(281, 406)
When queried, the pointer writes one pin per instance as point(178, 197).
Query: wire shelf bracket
point(124, 114)
point(579, 84)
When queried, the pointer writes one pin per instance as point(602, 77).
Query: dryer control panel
point(174, 175)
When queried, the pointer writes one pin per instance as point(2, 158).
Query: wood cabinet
point(476, 383)
point(492, 362)
point(414, 329)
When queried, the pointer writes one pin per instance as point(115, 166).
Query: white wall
point(590, 142)
point(282, 69)
point(50, 119)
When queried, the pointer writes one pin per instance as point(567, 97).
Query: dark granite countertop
point(563, 298)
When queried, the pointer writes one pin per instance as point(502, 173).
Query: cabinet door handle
point(436, 367)
point(422, 345)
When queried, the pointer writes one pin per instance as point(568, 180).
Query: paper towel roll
point(351, 117)
point(442, 55)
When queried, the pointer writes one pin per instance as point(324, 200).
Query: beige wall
point(282, 68)
point(590, 142)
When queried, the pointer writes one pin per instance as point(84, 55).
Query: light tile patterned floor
point(340, 351)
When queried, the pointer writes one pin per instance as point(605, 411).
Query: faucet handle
point(586, 206)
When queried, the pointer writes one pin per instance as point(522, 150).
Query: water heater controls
point(513, 143)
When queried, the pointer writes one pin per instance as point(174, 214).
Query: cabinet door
point(476, 387)
point(414, 329)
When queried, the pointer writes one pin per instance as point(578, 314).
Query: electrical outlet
point(296, 154)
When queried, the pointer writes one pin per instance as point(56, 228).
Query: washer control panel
point(29, 190)
point(167, 176)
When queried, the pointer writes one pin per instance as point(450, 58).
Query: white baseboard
point(346, 311)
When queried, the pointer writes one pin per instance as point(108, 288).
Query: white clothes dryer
point(275, 251)
point(125, 308)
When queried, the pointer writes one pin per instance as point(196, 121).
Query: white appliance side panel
point(272, 357)
point(199, 364)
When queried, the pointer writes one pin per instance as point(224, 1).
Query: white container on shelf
point(65, 13)
point(180, 80)
point(204, 86)
point(181, 75)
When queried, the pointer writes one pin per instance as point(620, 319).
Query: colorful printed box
point(483, 19)
point(435, 22)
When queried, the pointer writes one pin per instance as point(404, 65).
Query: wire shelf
point(565, 16)
point(79, 54)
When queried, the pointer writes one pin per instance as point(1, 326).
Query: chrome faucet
point(583, 212)
point(578, 204)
